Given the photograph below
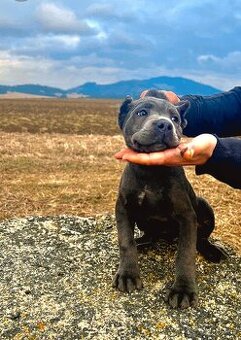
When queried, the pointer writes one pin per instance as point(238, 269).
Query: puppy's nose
point(164, 125)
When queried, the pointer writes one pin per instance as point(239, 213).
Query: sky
point(66, 43)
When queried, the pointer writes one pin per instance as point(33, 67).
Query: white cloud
point(59, 19)
point(52, 43)
point(229, 64)
point(72, 42)
point(61, 40)
point(207, 58)
point(22, 69)
point(101, 9)
point(217, 79)
point(69, 73)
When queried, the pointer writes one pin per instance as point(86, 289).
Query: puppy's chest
point(152, 201)
point(149, 195)
point(152, 204)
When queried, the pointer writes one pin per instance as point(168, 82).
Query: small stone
point(15, 315)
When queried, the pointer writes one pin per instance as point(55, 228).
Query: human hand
point(171, 96)
point(194, 152)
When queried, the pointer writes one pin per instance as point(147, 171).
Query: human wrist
point(212, 143)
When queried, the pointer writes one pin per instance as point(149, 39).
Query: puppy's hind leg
point(206, 223)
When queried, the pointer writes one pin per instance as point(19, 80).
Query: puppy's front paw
point(125, 281)
point(182, 296)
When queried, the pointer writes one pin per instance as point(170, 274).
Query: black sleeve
point(225, 163)
point(218, 114)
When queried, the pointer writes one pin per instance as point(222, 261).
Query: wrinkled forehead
point(154, 104)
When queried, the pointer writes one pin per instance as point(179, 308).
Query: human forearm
point(225, 163)
point(218, 114)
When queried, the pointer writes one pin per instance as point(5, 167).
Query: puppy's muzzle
point(156, 135)
point(164, 125)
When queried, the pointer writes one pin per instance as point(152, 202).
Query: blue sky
point(67, 43)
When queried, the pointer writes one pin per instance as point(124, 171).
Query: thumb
point(187, 151)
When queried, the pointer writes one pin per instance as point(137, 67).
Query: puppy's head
point(152, 124)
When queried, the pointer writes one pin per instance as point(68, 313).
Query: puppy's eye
point(175, 119)
point(141, 113)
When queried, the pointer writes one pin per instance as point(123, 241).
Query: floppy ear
point(124, 109)
point(182, 108)
point(156, 93)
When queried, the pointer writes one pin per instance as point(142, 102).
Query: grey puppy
point(159, 200)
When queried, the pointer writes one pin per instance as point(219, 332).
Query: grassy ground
point(73, 116)
point(56, 157)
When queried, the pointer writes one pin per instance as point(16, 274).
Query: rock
point(56, 275)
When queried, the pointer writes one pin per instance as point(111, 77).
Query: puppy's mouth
point(152, 142)
point(152, 147)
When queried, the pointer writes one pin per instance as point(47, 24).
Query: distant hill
point(135, 87)
point(38, 90)
point(116, 90)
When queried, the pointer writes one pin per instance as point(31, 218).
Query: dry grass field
point(56, 157)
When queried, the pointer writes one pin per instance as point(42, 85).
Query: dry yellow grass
point(64, 173)
point(58, 174)
point(69, 116)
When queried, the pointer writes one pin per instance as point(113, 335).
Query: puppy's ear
point(156, 93)
point(182, 108)
point(124, 109)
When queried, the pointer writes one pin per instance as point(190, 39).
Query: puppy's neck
point(152, 171)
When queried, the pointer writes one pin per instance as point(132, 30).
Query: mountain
point(116, 90)
point(120, 89)
point(33, 89)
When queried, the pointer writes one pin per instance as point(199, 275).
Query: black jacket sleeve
point(221, 115)
point(225, 163)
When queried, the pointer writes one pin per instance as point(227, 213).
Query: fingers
point(143, 93)
point(200, 149)
point(195, 152)
point(187, 151)
point(137, 158)
point(120, 153)
point(132, 156)
point(167, 157)
point(172, 97)
point(189, 154)
point(175, 156)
